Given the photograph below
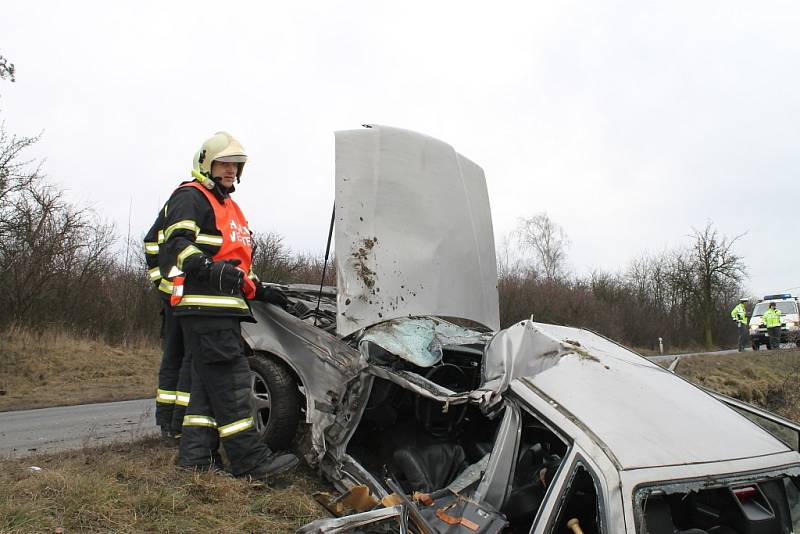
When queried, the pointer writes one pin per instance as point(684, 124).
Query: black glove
point(271, 295)
point(225, 277)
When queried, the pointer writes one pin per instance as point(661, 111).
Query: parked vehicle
point(428, 418)
point(790, 321)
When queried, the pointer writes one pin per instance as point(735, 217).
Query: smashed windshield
point(786, 306)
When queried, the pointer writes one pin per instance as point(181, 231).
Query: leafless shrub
point(273, 261)
point(60, 262)
point(683, 296)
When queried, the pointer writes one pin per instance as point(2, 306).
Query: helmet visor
point(232, 159)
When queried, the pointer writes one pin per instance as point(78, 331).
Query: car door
point(541, 480)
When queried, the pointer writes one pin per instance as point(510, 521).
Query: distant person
point(206, 256)
point(739, 314)
point(772, 319)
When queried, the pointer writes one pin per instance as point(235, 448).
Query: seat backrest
point(658, 516)
point(431, 467)
point(530, 460)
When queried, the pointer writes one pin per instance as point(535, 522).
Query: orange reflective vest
point(237, 241)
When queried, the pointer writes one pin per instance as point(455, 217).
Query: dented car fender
point(329, 370)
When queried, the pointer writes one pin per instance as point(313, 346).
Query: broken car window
point(580, 505)
point(769, 505)
point(538, 459)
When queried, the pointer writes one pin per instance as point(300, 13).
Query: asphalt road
point(46, 430)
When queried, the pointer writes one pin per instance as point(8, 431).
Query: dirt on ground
point(49, 367)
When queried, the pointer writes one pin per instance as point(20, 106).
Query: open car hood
point(413, 231)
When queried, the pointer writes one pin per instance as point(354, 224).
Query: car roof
point(641, 414)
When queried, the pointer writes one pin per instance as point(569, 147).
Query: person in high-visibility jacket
point(206, 256)
point(772, 320)
point(739, 315)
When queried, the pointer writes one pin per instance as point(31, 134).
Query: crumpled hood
point(413, 231)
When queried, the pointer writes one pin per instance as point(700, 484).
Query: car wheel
point(275, 401)
point(756, 345)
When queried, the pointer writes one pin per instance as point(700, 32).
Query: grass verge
point(769, 379)
point(136, 487)
point(50, 367)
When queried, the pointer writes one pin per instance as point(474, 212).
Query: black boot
point(274, 464)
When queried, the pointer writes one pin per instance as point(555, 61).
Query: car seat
point(658, 518)
point(430, 467)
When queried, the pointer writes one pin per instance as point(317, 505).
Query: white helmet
point(221, 147)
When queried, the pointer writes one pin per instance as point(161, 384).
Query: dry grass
point(136, 488)
point(770, 379)
point(54, 368)
point(130, 487)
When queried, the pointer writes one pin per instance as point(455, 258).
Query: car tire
point(275, 401)
point(756, 345)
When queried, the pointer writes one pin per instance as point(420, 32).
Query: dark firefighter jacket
point(185, 234)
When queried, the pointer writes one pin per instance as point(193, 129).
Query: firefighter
point(175, 371)
point(739, 315)
point(206, 255)
point(772, 319)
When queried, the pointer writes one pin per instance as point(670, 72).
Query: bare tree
point(15, 173)
point(17, 180)
point(547, 241)
point(6, 70)
point(716, 267)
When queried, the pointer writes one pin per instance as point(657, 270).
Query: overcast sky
point(628, 122)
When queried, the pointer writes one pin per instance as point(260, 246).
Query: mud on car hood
point(413, 231)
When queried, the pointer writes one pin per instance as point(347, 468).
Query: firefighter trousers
point(219, 409)
point(174, 375)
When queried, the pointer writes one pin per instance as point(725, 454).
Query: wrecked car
point(426, 417)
